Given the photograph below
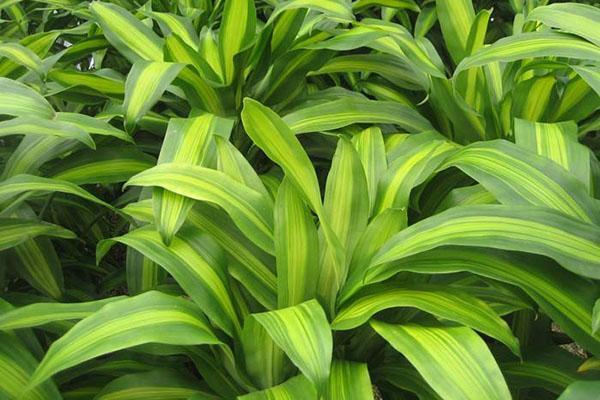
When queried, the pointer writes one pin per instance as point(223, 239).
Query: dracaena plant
point(299, 199)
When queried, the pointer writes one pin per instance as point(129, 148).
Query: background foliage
point(299, 199)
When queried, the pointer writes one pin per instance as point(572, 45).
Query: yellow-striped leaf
point(236, 32)
point(42, 313)
point(559, 143)
point(152, 317)
point(580, 19)
point(196, 263)
point(446, 303)
point(516, 176)
point(38, 126)
point(158, 384)
point(17, 365)
point(296, 247)
point(532, 44)
point(349, 381)
point(20, 100)
point(572, 243)
point(303, 333)
point(252, 211)
point(145, 84)
point(187, 141)
point(455, 361)
point(129, 35)
point(16, 230)
point(346, 111)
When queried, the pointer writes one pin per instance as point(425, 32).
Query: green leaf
point(37, 314)
point(455, 361)
point(516, 177)
point(531, 44)
point(596, 317)
point(349, 381)
point(581, 390)
point(303, 333)
point(371, 151)
point(571, 243)
point(276, 139)
point(237, 30)
point(557, 142)
point(456, 18)
point(130, 36)
point(447, 303)
point(590, 75)
point(92, 125)
point(105, 165)
point(195, 262)
point(17, 365)
point(296, 245)
point(15, 231)
point(580, 19)
point(334, 9)
point(567, 298)
point(153, 385)
point(347, 211)
point(251, 210)
point(38, 126)
point(296, 388)
point(347, 111)
point(187, 141)
point(145, 84)
point(151, 317)
point(22, 101)
point(22, 55)
point(19, 184)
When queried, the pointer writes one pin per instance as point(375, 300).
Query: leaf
point(126, 33)
point(446, 303)
point(24, 183)
point(38, 126)
point(17, 365)
point(557, 142)
point(349, 381)
point(251, 210)
point(346, 111)
point(187, 141)
point(347, 211)
point(22, 55)
point(157, 384)
point(37, 314)
point(266, 364)
point(15, 231)
point(455, 361)
point(580, 19)
point(105, 165)
point(146, 82)
point(567, 298)
point(590, 75)
point(302, 332)
point(151, 317)
point(276, 139)
point(296, 388)
point(596, 317)
point(237, 30)
point(371, 151)
point(195, 262)
point(296, 245)
point(92, 125)
point(581, 390)
point(529, 45)
point(570, 242)
point(331, 8)
point(516, 177)
point(22, 101)
point(456, 18)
